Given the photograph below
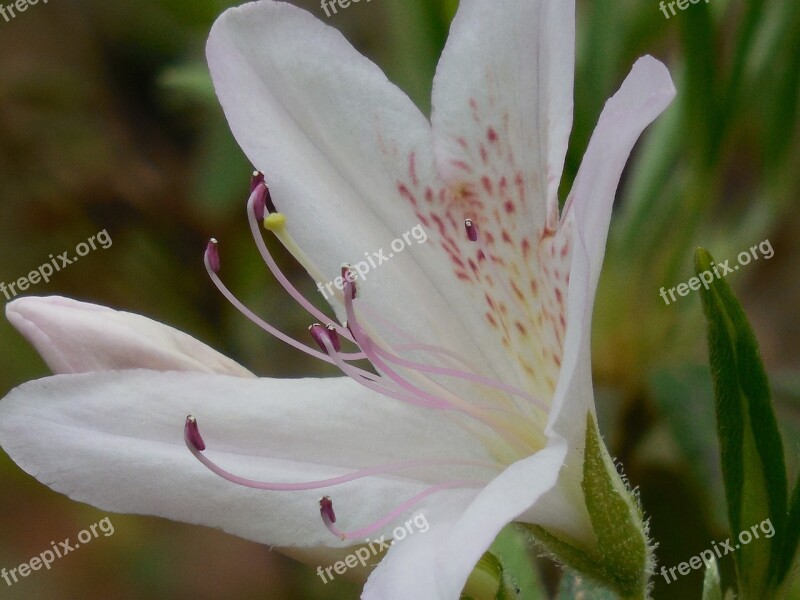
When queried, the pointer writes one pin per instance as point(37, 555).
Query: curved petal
point(347, 157)
point(115, 440)
point(442, 559)
point(78, 337)
point(644, 94)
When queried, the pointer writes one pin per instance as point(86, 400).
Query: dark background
point(108, 121)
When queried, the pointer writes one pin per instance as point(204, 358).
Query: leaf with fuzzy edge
point(751, 449)
point(575, 587)
point(622, 558)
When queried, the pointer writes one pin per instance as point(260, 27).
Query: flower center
point(506, 419)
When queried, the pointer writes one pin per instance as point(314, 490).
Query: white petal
point(643, 96)
point(318, 119)
point(344, 152)
point(507, 68)
point(502, 112)
point(115, 440)
point(442, 559)
point(78, 337)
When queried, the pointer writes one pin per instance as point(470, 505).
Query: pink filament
point(385, 469)
point(266, 326)
point(278, 274)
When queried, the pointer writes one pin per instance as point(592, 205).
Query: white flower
point(479, 412)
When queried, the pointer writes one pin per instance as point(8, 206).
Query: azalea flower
point(466, 360)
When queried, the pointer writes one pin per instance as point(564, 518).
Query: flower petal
point(502, 113)
point(347, 157)
point(644, 94)
point(442, 559)
point(115, 440)
point(502, 101)
point(78, 337)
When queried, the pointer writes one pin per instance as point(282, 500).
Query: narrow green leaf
point(701, 97)
point(712, 586)
point(751, 450)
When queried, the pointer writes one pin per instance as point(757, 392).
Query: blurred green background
point(108, 121)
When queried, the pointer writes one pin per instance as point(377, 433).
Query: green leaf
point(701, 97)
point(519, 566)
point(751, 450)
point(575, 587)
point(712, 587)
point(791, 536)
point(616, 517)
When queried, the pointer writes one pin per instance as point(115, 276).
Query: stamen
point(472, 232)
point(370, 381)
point(487, 381)
point(348, 275)
point(252, 214)
point(329, 331)
point(455, 403)
point(211, 254)
point(329, 517)
point(256, 180)
point(259, 196)
point(192, 435)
